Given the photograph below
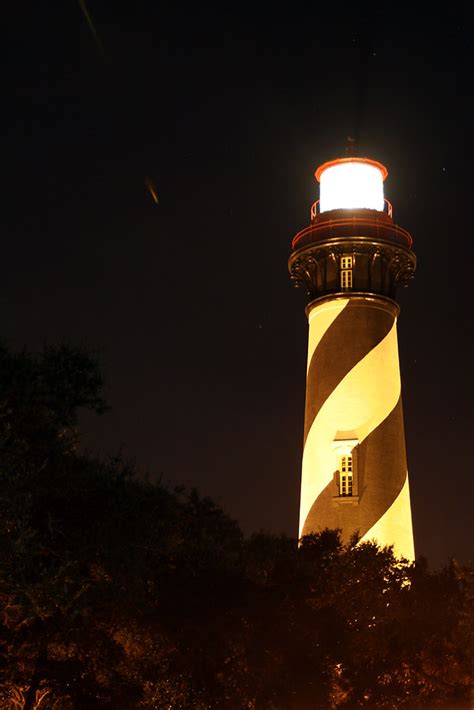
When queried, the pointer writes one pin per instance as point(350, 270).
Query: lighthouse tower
point(351, 260)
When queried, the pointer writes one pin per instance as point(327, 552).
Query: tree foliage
point(117, 592)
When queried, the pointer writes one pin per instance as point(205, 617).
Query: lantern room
point(351, 183)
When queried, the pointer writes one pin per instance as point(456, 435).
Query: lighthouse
point(351, 260)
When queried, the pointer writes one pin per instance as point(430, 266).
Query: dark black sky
point(203, 339)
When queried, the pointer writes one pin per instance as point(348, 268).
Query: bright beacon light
point(351, 183)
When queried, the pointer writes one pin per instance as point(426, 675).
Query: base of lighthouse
point(354, 474)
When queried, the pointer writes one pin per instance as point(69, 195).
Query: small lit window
point(346, 272)
point(346, 472)
point(346, 278)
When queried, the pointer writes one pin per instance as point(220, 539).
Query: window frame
point(346, 449)
point(346, 475)
point(346, 264)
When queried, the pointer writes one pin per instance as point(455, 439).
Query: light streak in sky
point(151, 187)
point(91, 25)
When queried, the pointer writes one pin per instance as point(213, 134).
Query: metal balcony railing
point(369, 226)
point(315, 209)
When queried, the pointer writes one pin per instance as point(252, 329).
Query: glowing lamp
point(351, 183)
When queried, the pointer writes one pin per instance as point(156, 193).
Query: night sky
point(227, 112)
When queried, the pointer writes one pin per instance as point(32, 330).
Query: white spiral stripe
point(395, 525)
